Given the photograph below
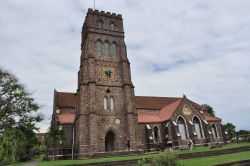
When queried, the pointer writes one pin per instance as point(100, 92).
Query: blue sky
point(192, 47)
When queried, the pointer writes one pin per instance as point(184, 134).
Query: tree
point(209, 109)
point(231, 130)
point(16, 104)
point(243, 134)
point(13, 144)
point(55, 137)
point(18, 117)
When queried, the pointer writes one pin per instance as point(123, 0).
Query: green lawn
point(99, 160)
point(17, 164)
point(208, 161)
point(146, 155)
point(23, 163)
point(202, 149)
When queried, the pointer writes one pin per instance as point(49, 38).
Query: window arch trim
point(105, 103)
point(106, 48)
point(98, 47)
point(216, 131)
point(113, 49)
point(200, 124)
point(112, 102)
point(112, 26)
point(158, 134)
point(185, 123)
point(99, 23)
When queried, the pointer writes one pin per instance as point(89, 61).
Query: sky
point(175, 47)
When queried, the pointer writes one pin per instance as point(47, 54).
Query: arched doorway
point(110, 141)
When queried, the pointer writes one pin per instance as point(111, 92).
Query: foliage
point(243, 135)
point(39, 149)
point(209, 109)
point(55, 137)
point(162, 160)
point(231, 130)
point(243, 132)
point(17, 107)
point(18, 117)
point(13, 144)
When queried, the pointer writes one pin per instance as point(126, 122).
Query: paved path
point(33, 163)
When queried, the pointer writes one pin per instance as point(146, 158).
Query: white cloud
point(200, 48)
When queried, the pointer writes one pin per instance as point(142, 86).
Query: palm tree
point(55, 137)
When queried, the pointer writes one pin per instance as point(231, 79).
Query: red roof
point(66, 118)
point(164, 114)
point(146, 118)
point(153, 103)
point(65, 99)
point(166, 105)
point(211, 118)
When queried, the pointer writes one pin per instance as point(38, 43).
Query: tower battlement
point(103, 13)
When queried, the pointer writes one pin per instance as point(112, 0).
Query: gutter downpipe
point(73, 142)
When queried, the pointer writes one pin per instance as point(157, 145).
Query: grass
point(24, 162)
point(208, 161)
point(202, 149)
point(98, 160)
point(17, 163)
point(146, 155)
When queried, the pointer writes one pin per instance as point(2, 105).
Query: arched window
point(98, 48)
point(156, 134)
point(197, 127)
point(99, 24)
point(105, 104)
point(106, 49)
point(112, 26)
point(113, 50)
point(214, 131)
point(112, 103)
point(182, 128)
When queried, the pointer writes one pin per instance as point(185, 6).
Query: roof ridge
point(161, 97)
point(66, 92)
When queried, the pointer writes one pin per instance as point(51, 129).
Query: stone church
point(105, 117)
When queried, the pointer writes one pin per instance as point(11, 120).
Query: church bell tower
point(106, 118)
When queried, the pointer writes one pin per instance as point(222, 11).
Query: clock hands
point(108, 73)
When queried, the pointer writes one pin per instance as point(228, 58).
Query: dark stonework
point(94, 128)
point(93, 122)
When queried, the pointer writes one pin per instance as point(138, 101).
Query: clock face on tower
point(108, 73)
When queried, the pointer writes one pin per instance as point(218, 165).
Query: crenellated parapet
point(103, 13)
point(102, 23)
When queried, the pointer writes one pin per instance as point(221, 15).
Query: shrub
point(162, 160)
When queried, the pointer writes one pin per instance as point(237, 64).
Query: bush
point(162, 160)
point(39, 149)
